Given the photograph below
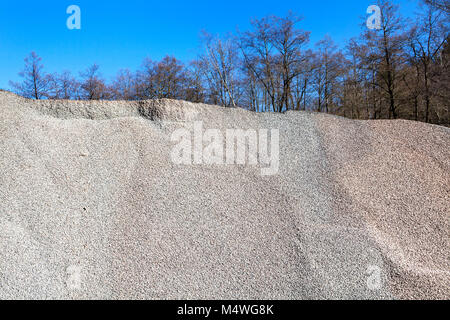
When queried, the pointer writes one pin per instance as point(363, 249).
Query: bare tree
point(443, 5)
point(302, 82)
point(63, 86)
point(124, 86)
point(163, 79)
point(93, 86)
point(220, 65)
point(289, 42)
point(146, 87)
point(328, 69)
point(358, 88)
point(195, 88)
point(387, 54)
point(273, 53)
point(169, 78)
point(427, 41)
point(441, 85)
point(258, 51)
point(35, 81)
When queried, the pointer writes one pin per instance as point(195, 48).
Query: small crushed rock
point(92, 207)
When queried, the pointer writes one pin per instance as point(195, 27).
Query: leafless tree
point(328, 70)
point(169, 78)
point(63, 86)
point(388, 52)
point(124, 86)
point(195, 87)
point(443, 5)
point(427, 41)
point(163, 79)
point(273, 52)
point(35, 81)
point(220, 65)
point(93, 87)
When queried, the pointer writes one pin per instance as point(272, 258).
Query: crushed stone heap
point(92, 206)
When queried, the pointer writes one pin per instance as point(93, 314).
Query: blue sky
point(120, 34)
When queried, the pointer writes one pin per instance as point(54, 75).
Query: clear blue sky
point(120, 34)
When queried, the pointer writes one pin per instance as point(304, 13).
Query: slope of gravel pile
point(91, 206)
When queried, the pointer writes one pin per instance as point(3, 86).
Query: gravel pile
point(92, 206)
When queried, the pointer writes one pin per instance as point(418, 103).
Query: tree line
point(399, 71)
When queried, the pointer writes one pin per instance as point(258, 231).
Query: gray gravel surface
point(91, 206)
